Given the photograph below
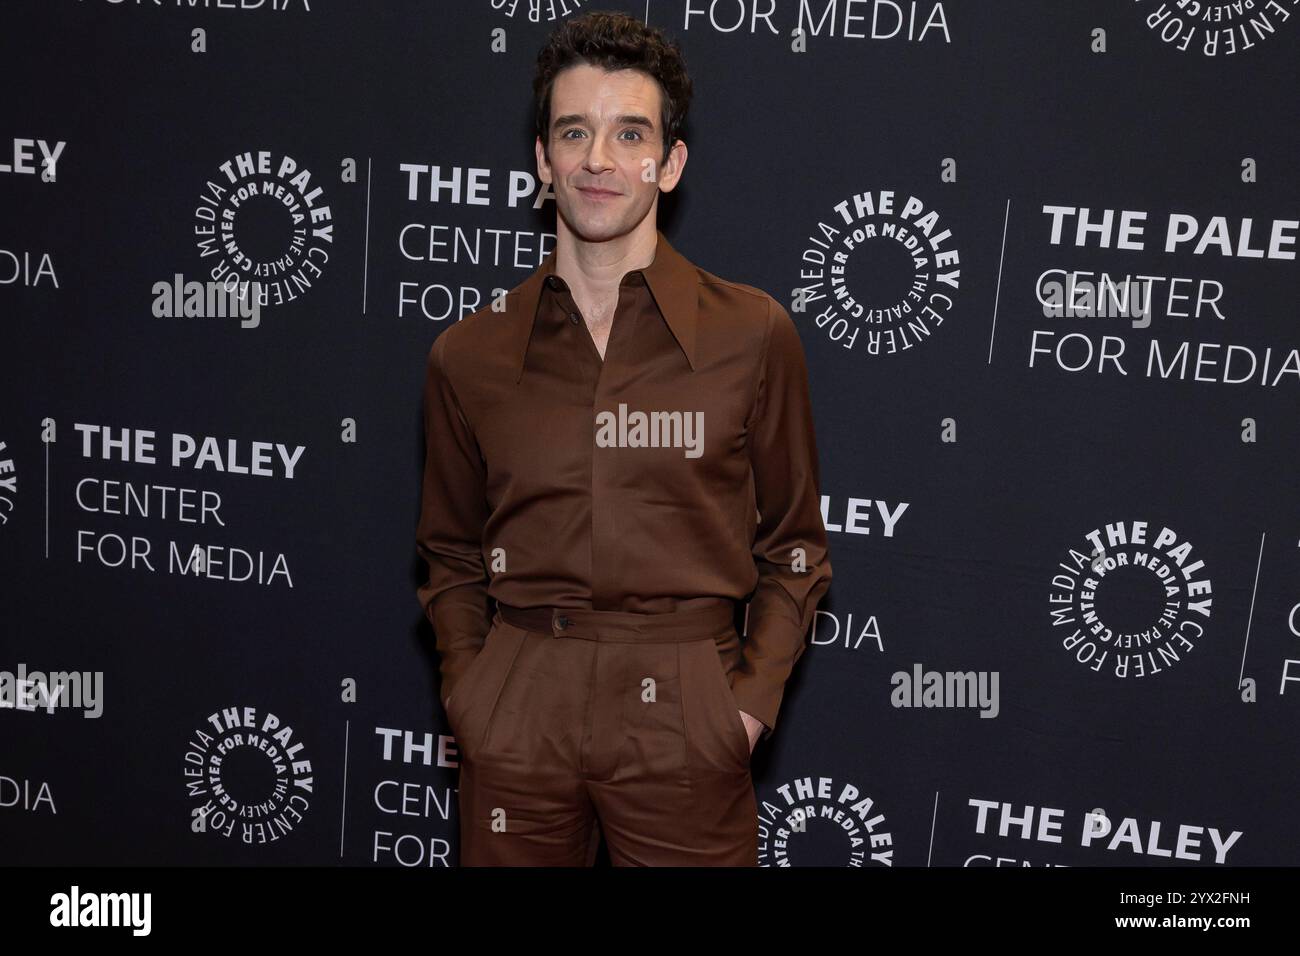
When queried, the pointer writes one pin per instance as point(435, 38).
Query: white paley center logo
point(881, 276)
point(816, 821)
point(245, 769)
point(263, 220)
point(1130, 602)
point(8, 484)
point(1215, 27)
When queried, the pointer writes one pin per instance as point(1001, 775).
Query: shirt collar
point(673, 281)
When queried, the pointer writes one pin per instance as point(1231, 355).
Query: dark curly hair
point(614, 41)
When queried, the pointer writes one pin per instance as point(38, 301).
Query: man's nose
point(597, 157)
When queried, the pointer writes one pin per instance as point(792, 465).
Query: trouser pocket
point(469, 710)
point(713, 717)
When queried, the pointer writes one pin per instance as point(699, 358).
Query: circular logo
point(884, 273)
point(815, 821)
point(534, 12)
point(262, 220)
point(1130, 602)
point(247, 776)
point(1214, 27)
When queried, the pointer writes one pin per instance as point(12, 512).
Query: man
point(620, 449)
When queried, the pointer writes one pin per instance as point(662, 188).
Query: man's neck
point(593, 270)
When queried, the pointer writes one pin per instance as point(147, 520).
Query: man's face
point(606, 142)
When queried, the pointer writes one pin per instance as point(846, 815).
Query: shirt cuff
point(758, 683)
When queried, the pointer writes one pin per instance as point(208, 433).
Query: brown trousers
point(572, 724)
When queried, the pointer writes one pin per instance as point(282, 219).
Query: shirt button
point(573, 317)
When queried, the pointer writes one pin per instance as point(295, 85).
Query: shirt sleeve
point(453, 511)
point(790, 546)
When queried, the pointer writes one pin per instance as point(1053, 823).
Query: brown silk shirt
point(550, 482)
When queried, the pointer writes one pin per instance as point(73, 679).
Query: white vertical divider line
point(929, 857)
point(365, 269)
point(343, 817)
point(1251, 617)
point(998, 292)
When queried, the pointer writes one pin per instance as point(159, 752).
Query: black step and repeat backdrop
point(1043, 260)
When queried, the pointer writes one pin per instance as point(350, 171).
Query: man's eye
point(634, 132)
point(568, 131)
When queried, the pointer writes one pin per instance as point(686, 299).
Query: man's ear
point(673, 167)
point(543, 166)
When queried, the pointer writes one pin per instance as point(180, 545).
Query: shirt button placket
point(600, 465)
